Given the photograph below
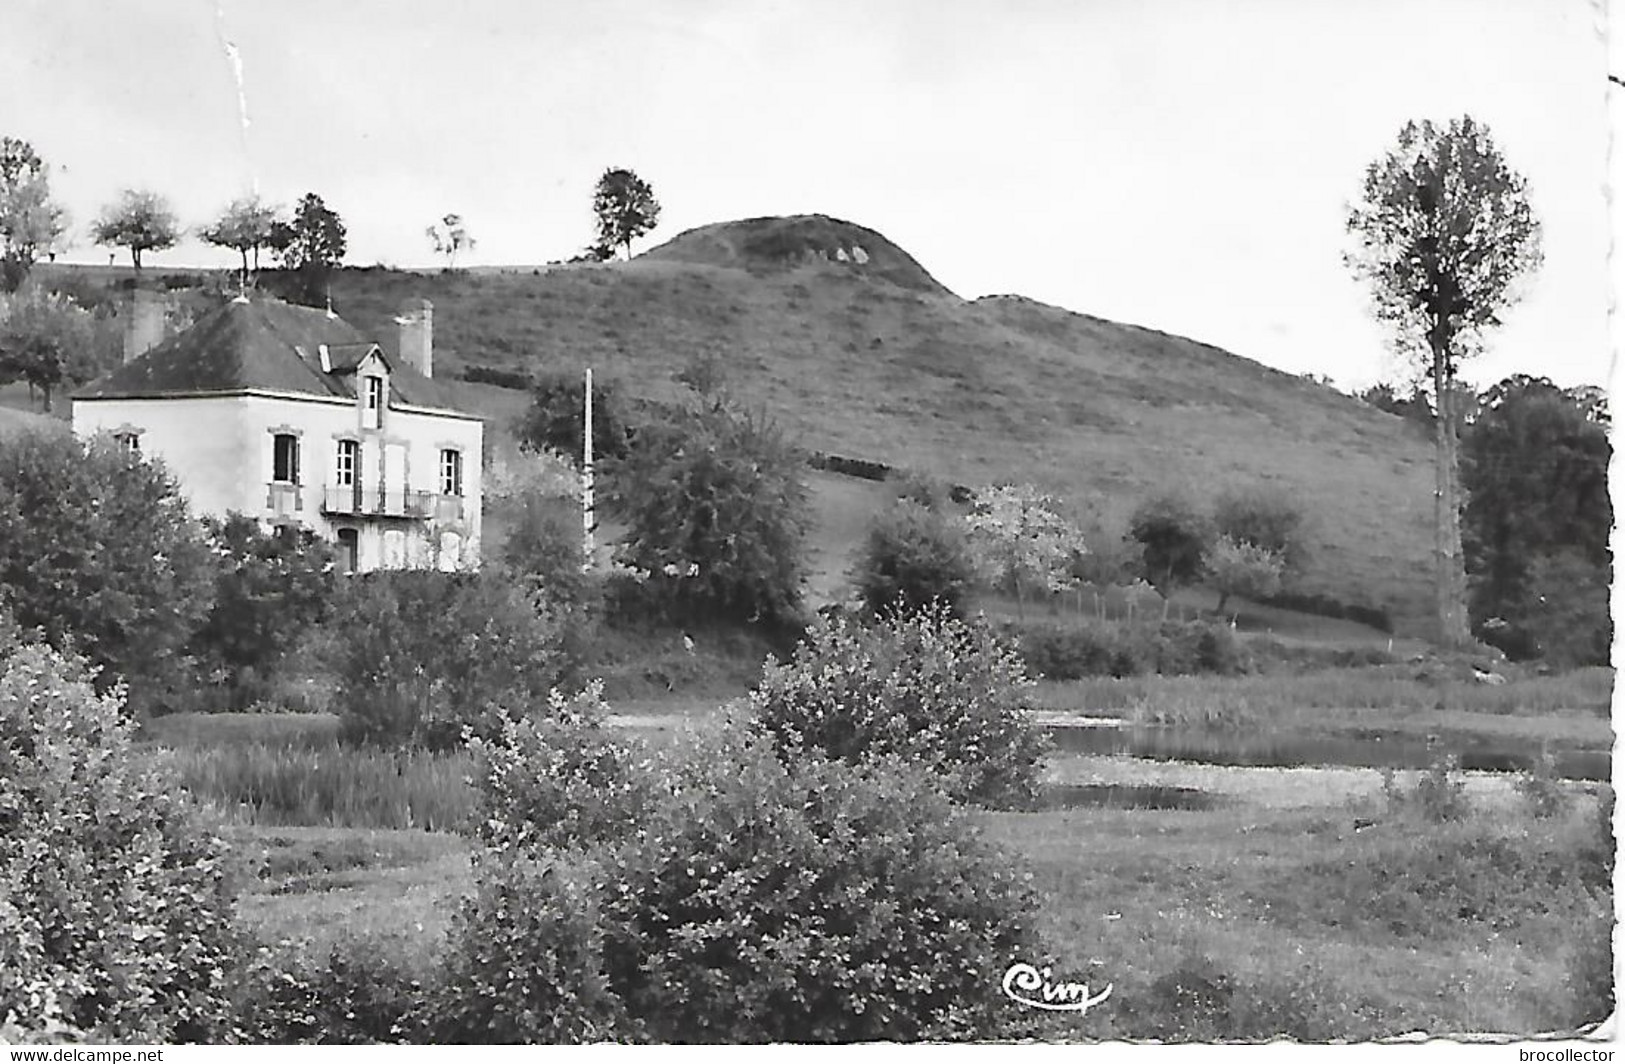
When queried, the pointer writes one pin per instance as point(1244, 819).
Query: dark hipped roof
point(262, 344)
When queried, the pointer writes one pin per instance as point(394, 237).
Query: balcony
point(356, 501)
point(283, 499)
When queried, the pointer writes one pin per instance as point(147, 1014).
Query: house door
point(349, 550)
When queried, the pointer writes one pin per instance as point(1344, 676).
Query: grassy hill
point(860, 352)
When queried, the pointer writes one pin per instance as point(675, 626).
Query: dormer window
point(128, 439)
point(373, 402)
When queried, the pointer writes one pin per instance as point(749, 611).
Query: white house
point(290, 415)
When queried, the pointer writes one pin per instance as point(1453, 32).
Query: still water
point(1364, 750)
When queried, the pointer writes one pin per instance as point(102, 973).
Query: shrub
point(525, 960)
point(1174, 541)
point(269, 590)
point(715, 511)
point(925, 687)
point(115, 911)
point(1202, 1000)
point(497, 377)
point(556, 779)
point(1438, 794)
point(1542, 790)
point(1092, 647)
point(421, 655)
point(1074, 651)
point(544, 551)
point(912, 557)
point(861, 468)
point(814, 902)
point(1325, 606)
point(357, 994)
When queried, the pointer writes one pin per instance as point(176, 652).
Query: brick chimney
point(416, 324)
point(144, 325)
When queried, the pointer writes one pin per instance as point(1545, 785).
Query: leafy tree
point(245, 226)
point(449, 236)
point(98, 552)
point(715, 511)
point(270, 588)
point(312, 245)
point(1174, 539)
point(1237, 567)
point(30, 221)
point(1535, 466)
point(1020, 540)
point(914, 556)
point(1444, 229)
point(46, 339)
point(1266, 519)
point(556, 419)
point(625, 207)
point(1568, 617)
point(138, 220)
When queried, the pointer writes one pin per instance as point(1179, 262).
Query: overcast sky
point(1179, 164)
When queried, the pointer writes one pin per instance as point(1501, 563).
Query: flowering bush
point(816, 902)
point(1021, 542)
point(556, 779)
point(925, 687)
point(115, 913)
point(1236, 567)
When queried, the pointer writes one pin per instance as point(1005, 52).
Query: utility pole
point(586, 481)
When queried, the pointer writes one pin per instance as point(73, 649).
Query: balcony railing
point(373, 502)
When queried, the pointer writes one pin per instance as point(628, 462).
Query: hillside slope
point(877, 360)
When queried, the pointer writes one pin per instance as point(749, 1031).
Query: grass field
point(1274, 912)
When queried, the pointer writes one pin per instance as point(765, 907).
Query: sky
point(1179, 164)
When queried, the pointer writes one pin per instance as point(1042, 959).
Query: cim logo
point(1029, 986)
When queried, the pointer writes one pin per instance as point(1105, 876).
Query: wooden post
point(587, 482)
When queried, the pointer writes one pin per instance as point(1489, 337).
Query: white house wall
point(220, 449)
point(203, 441)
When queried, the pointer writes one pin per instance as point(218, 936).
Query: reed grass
point(289, 785)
